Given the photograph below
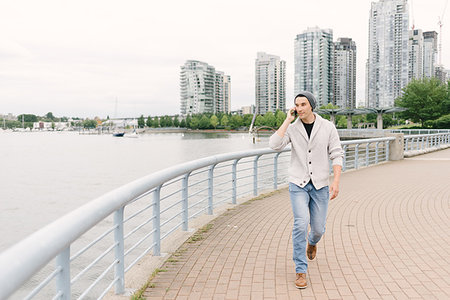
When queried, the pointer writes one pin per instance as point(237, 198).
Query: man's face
point(303, 108)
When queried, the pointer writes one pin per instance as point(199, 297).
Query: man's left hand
point(334, 190)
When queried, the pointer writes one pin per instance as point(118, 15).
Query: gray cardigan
point(309, 157)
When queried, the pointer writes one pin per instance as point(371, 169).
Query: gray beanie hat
point(309, 96)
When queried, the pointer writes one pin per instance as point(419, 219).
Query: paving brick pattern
point(387, 237)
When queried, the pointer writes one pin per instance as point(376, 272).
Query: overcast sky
point(76, 58)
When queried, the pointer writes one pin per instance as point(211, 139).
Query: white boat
point(132, 134)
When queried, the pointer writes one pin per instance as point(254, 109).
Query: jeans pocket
point(293, 187)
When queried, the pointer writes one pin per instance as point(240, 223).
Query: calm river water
point(47, 174)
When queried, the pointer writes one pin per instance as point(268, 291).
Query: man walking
point(314, 141)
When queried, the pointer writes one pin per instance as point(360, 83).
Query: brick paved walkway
point(388, 237)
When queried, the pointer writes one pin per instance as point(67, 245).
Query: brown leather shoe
point(300, 282)
point(311, 251)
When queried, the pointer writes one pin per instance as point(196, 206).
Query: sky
point(122, 58)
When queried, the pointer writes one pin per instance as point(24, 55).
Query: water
point(48, 174)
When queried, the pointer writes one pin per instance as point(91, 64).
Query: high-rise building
point(388, 52)
point(415, 63)
point(430, 50)
point(313, 57)
point(270, 83)
point(441, 74)
point(202, 89)
point(344, 73)
point(223, 92)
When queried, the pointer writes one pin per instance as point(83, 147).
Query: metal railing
point(97, 244)
point(420, 142)
point(419, 131)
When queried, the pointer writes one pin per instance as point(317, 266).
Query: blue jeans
point(310, 208)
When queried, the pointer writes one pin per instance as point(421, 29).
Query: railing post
point(185, 202)
point(367, 154)
point(275, 170)
point(210, 189)
point(234, 180)
point(344, 167)
point(255, 175)
point(356, 156)
point(63, 277)
point(376, 152)
point(387, 150)
point(119, 269)
point(157, 221)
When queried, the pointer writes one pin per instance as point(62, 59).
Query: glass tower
point(313, 58)
point(388, 52)
point(270, 83)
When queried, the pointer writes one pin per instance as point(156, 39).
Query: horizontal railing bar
point(171, 218)
point(138, 227)
point(247, 176)
point(171, 230)
point(198, 192)
point(221, 175)
point(139, 242)
point(93, 243)
point(197, 213)
point(246, 169)
point(139, 257)
point(198, 202)
point(43, 283)
point(115, 262)
point(170, 206)
point(58, 295)
point(170, 195)
point(198, 182)
point(198, 172)
point(82, 272)
point(223, 166)
point(108, 287)
point(222, 183)
point(245, 184)
point(138, 212)
point(172, 182)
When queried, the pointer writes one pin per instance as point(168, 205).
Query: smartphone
point(294, 113)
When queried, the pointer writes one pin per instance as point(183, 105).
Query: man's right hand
point(291, 115)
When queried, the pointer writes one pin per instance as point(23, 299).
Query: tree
point(224, 121)
point(280, 117)
point(50, 116)
point(141, 121)
point(214, 121)
point(443, 122)
point(270, 120)
point(259, 121)
point(424, 99)
point(155, 122)
point(89, 124)
point(183, 123)
point(188, 121)
point(236, 121)
point(194, 122)
point(27, 118)
point(204, 122)
point(149, 122)
point(176, 122)
point(247, 120)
